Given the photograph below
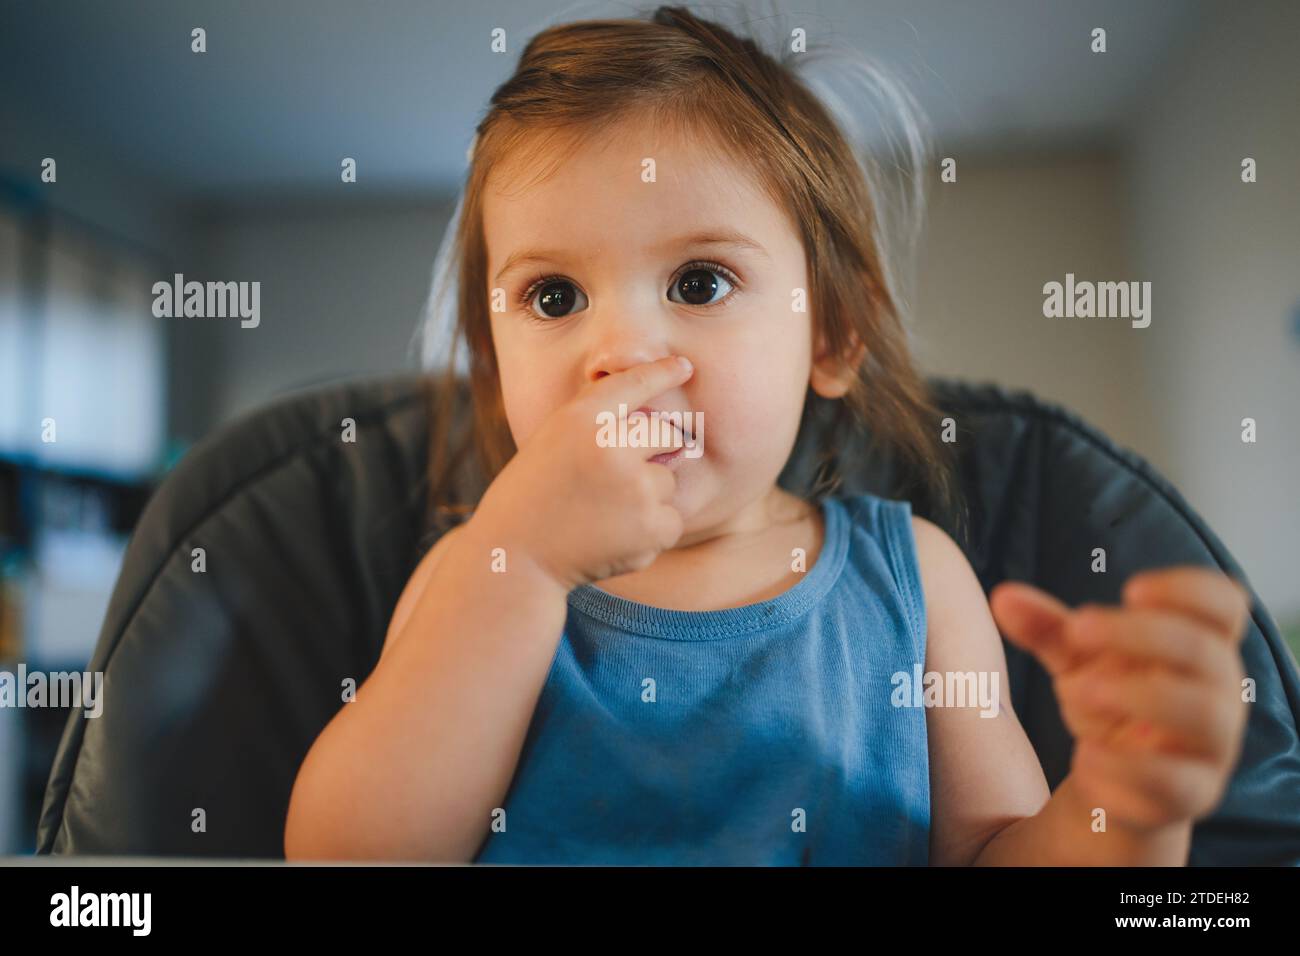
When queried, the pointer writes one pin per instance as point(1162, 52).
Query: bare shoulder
point(983, 772)
point(959, 623)
point(946, 575)
point(417, 582)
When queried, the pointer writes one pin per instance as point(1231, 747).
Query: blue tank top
point(755, 735)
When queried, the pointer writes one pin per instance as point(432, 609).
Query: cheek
point(527, 396)
point(753, 401)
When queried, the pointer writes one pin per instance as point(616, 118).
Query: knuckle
point(1243, 596)
point(643, 559)
point(1090, 620)
point(1244, 605)
point(1200, 652)
point(1226, 729)
point(1142, 579)
point(1091, 614)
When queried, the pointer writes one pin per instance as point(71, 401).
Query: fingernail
point(685, 362)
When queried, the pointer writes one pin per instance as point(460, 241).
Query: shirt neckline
point(677, 625)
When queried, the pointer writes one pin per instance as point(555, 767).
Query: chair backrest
point(263, 573)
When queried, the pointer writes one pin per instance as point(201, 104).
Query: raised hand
point(1151, 690)
point(579, 511)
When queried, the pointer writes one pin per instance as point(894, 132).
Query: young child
point(635, 655)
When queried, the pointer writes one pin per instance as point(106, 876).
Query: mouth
point(684, 429)
point(668, 456)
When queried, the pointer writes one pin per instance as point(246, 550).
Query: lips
point(688, 432)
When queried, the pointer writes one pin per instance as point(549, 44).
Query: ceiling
point(287, 88)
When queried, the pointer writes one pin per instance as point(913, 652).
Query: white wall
point(1224, 260)
point(994, 237)
point(342, 289)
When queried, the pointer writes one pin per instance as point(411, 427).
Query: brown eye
point(555, 297)
point(699, 284)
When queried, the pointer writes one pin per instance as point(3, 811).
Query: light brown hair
point(676, 68)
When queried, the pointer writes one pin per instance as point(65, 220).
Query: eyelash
point(526, 297)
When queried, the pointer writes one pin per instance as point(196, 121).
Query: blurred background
point(225, 165)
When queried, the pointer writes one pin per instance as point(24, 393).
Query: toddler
point(633, 653)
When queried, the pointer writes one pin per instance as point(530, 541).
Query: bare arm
point(1061, 834)
point(989, 799)
point(414, 766)
point(984, 774)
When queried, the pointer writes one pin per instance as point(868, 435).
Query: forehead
point(593, 191)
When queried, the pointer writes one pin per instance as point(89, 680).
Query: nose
point(624, 336)
point(665, 405)
point(609, 361)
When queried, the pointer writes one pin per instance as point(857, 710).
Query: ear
point(833, 374)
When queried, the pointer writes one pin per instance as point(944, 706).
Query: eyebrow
point(710, 237)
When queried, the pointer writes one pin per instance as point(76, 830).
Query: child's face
point(619, 245)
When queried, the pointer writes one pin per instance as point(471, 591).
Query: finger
point(638, 384)
point(1081, 717)
point(1153, 636)
point(1032, 619)
point(1205, 593)
point(1147, 789)
point(665, 482)
point(1186, 715)
point(659, 435)
point(662, 433)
